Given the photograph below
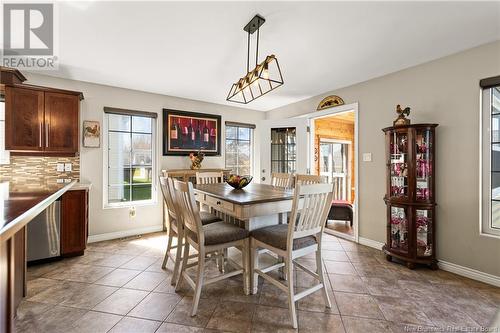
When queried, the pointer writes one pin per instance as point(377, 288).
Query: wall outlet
point(367, 157)
point(67, 167)
point(60, 167)
point(60, 180)
point(132, 212)
point(67, 180)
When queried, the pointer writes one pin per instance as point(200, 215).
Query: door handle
point(47, 128)
point(40, 135)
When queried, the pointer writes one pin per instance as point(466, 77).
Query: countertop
point(20, 203)
point(81, 186)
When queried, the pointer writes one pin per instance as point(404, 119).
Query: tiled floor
point(340, 226)
point(119, 286)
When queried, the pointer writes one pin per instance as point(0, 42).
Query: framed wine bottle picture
point(186, 132)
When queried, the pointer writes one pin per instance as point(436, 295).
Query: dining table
point(255, 206)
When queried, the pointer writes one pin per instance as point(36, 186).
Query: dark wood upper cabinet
point(41, 121)
point(61, 122)
point(74, 222)
point(24, 110)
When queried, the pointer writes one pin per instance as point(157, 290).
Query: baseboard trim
point(126, 233)
point(447, 266)
point(370, 243)
point(469, 273)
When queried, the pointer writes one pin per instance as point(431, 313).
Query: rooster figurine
point(402, 113)
point(196, 159)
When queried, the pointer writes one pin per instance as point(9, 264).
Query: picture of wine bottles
point(186, 132)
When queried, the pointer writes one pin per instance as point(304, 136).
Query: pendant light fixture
point(265, 77)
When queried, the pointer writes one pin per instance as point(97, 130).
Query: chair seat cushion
point(276, 236)
point(220, 233)
point(207, 218)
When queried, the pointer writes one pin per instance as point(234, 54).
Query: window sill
point(489, 235)
point(130, 204)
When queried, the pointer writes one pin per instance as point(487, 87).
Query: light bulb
point(265, 72)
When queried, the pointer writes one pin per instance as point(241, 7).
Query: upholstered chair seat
point(276, 236)
point(207, 218)
point(221, 232)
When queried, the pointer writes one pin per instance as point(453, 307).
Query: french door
point(284, 147)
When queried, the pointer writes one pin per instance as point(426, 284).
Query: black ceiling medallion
point(264, 78)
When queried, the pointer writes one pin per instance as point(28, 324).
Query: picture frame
point(91, 134)
point(185, 132)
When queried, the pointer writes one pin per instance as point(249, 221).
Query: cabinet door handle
point(218, 202)
point(47, 135)
point(40, 136)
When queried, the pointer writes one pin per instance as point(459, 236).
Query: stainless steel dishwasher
point(44, 233)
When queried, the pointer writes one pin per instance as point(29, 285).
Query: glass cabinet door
point(423, 224)
point(283, 150)
point(423, 167)
point(399, 164)
point(399, 229)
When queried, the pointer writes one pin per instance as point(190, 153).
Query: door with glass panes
point(284, 147)
point(334, 165)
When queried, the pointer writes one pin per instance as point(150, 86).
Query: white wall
point(103, 221)
point(445, 91)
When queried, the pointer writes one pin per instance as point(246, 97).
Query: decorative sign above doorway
point(329, 102)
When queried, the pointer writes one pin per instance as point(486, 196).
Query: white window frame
point(154, 162)
point(485, 228)
point(252, 151)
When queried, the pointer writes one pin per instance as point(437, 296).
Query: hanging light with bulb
point(264, 78)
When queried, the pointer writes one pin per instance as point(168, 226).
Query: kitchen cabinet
point(74, 222)
point(61, 122)
point(24, 111)
point(41, 121)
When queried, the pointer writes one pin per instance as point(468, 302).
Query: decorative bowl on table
point(238, 182)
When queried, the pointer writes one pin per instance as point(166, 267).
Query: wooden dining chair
point(210, 238)
point(296, 239)
point(309, 179)
point(284, 180)
point(173, 229)
point(212, 177)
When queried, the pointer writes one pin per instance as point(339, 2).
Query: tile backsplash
point(26, 169)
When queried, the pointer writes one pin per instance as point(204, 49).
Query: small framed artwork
point(186, 132)
point(91, 134)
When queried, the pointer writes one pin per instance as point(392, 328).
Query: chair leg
point(291, 302)
point(178, 259)
point(199, 281)
point(169, 247)
point(185, 256)
point(245, 257)
point(254, 263)
point(321, 273)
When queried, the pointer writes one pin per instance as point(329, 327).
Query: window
point(4, 154)
point(490, 157)
point(130, 158)
point(239, 148)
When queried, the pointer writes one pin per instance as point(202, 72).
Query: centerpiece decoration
point(196, 159)
point(238, 182)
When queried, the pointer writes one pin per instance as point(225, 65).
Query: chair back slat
point(166, 186)
point(281, 180)
point(209, 177)
point(309, 179)
point(187, 206)
point(311, 204)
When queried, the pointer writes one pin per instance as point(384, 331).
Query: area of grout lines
point(360, 283)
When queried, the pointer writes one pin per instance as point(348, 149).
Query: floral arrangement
point(196, 159)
